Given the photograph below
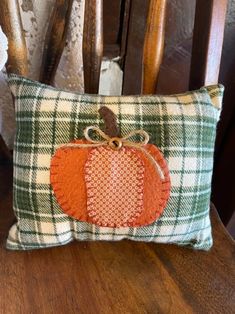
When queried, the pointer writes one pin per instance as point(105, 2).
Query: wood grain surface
point(92, 48)
point(11, 23)
point(55, 40)
point(208, 38)
point(153, 45)
point(132, 67)
point(114, 277)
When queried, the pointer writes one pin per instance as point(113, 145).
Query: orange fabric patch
point(114, 181)
point(68, 180)
point(156, 190)
point(108, 187)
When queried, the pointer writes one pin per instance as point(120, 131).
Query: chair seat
point(117, 277)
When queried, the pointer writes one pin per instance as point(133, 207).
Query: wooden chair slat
point(207, 42)
point(55, 40)
point(133, 54)
point(11, 23)
point(153, 45)
point(92, 44)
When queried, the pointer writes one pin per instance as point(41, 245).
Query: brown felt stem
point(110, 121)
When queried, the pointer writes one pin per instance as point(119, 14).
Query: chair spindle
point(11, 23)
point(55, 40)
point(207, 42)
point(92, 45)
point(17, 63)
point(153, 45)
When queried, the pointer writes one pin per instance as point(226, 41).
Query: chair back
point(206, 50)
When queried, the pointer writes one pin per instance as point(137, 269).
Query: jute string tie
point(116, 143)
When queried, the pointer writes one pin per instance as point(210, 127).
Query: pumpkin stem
point(110, 121)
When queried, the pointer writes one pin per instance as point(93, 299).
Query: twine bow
point(116, 143)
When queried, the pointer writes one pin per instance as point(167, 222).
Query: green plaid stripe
point(182, 126)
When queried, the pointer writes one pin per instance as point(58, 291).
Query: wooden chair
point(122, 277)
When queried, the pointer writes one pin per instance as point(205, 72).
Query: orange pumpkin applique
point(113, 182)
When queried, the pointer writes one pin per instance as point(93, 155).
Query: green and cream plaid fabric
point(182, 126)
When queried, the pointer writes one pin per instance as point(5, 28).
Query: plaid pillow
point(183, 126)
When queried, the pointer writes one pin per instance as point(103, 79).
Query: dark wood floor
point(121, 277)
